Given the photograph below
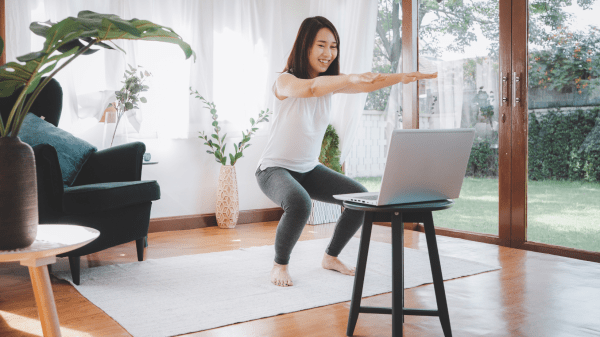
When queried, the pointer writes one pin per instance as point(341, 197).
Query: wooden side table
point(50, 241)
point(399, 214)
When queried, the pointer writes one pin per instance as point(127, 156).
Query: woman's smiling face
point(322, 53)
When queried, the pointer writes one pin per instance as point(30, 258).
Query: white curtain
point(394, 107)
point(450, 91)
point(355, 21)
point(249, 52)
point(89, 82)
point(241, 46)
point(487, 79)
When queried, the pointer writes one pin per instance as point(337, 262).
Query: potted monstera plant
point(323, 212)
point(65, 41)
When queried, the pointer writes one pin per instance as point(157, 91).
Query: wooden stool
point(400, 213)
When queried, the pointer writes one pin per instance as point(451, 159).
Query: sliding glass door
point(563, 96)
point(526, 76)
point(460, 41)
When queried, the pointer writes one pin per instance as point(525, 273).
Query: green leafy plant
point(570, 61)
point(483, 160)
point(563, 145)
point(129, 96)
point(330, 150)
point(216, 142)
point(65, 41)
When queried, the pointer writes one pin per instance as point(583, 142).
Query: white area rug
point(177, 295)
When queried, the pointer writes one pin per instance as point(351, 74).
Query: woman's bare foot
point(333, 263)
point(280, 276)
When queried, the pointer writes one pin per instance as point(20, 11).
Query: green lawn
point(561, 213)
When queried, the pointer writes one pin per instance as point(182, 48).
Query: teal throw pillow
point(72, 151)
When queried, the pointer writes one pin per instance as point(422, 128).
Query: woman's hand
point(417, 76)
point(368, 78)
point(369, 82)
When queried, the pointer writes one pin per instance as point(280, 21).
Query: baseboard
point(274, 214)
point(185, 222)
point(178, 223)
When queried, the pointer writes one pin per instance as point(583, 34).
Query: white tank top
point(297, 130)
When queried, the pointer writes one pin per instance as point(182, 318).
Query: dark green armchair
point(107, 193)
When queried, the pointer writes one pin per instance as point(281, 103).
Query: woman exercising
point(289, 172)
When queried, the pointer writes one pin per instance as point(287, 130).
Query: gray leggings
point(293, 191)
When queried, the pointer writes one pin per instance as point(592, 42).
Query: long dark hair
point(297, 63)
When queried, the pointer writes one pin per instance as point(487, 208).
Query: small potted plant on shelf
point(323, 212)
point(227, 209)
point(127, 100)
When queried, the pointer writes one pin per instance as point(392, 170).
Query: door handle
point(516, 82)
point(504, 86)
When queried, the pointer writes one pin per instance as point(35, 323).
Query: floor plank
point(533, 295)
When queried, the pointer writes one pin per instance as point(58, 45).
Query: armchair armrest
point(116, 164)
point(49, 182)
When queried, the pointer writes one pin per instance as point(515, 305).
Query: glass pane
point(381, 114)
point(459, 40)
point(564, 125)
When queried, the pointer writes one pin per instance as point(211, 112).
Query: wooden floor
point(532, 295)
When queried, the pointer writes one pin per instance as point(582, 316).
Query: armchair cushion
point(72, 151)
point(49, 181)
point(118, 163)
point(105, 196)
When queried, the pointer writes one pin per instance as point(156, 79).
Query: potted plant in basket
point(227, 195)
point(65, 41)
point(323, 212)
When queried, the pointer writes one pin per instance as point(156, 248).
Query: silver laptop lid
point(425, 165)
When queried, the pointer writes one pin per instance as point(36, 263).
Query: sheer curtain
point(89, 82)
point(355, 21)
point(249, 52)
point(450, 90)
point(241, 46)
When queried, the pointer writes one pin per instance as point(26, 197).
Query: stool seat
point(398, 214)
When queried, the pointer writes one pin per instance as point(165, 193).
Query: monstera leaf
point(67, 40)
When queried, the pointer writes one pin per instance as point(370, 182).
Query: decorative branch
point(218, 149)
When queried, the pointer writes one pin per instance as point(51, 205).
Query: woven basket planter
point(323, 212)
point(228, 209)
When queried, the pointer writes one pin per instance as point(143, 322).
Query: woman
point(289, 172)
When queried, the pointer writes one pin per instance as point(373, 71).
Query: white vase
point(115, 130)
point(228, 210)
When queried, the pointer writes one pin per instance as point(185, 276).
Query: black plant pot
point(18, 194)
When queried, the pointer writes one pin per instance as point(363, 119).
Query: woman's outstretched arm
point(388, 79)
point(288, 85)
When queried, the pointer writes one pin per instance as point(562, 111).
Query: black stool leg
point(397, 274)
point(359, 275)
point(436, 271)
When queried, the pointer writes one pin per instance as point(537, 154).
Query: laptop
point(421, 165)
